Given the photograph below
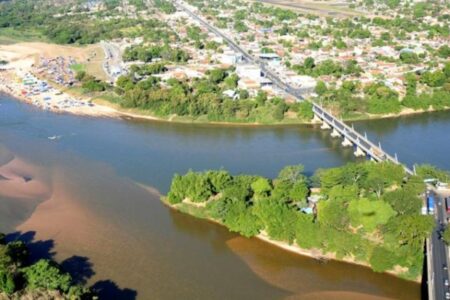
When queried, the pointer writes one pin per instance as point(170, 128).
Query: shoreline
point(316, 254)
point(109, 111)
point(97, 107)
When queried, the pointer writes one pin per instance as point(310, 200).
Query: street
point(439, 250)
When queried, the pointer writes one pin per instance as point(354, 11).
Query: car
point(444, 267)
point(447, 295)
point(446, 282)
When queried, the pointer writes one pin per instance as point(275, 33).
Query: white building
point(249, 71)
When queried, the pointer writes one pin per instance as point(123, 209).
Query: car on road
point(447, 295)
point(444, 267)
point(446, 282)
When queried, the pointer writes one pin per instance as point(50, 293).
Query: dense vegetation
point(68, 23)
point(19, 278)
point(202, 97)
point(367, 212)
point(378, 98)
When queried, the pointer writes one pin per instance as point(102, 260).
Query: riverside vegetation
point(426, 77)
point(368, 213)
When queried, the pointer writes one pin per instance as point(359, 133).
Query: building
point(250, 71)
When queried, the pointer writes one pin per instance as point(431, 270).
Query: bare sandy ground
point(22, 57)
point(19, 179)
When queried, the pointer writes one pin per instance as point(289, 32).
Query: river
point(103, 220)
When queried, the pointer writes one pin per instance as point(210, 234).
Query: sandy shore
point(22, 57)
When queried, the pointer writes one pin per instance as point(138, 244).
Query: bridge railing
point(356, 137)
point(344, 128)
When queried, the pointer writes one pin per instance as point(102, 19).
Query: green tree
point(321, 88)
point(7, 284)
point(446, 235)
point(261, 187)
point(382, 259)
point(292, 174)
point(47, 275)
point(404, 201)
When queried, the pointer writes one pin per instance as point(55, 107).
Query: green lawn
point(78, 67)
point(14, 35)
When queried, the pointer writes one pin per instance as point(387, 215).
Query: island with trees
point(365, 213)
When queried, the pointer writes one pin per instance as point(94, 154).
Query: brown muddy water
point(91, 201)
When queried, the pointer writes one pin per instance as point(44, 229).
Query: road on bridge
point(439, 251)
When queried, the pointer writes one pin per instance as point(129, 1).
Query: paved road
point(354, 136)
point(298, 93)
point(113, 60)
point(439, 250)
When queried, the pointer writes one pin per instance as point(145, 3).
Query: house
point(250, 71)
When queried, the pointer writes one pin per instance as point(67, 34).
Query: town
point(308, 137)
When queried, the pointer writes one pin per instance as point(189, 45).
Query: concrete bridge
point(351, 138)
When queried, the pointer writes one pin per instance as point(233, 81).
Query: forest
point(366, 212)
point(203, 97)
point(377, 98)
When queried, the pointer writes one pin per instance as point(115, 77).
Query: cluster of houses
point(376, 62)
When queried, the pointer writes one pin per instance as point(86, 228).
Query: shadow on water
point(107, 289)
point(79, 267)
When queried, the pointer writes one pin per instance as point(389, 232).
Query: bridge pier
point(359, 152)
point(335, 133)
point(325, 126)
point(316, 119)
point(346, 142)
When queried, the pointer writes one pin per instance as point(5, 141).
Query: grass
point(78, 67)
point(13, 35)
point(95, 64)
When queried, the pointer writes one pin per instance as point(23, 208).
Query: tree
point(261, 187)
point(47, 275)
point(217, 75)
point(444, 51)
point(433, 79)
point(239, 218)
point(292, 173)
point(446, 235)
point(333, 214)
point(305, 110)
point(427, 171)
point(321, 88)
point(409, 230)
point(278, 219)
point(299, 191)
point(382, 259)
point(309, 63)
point(403, 201)
point(7, 284)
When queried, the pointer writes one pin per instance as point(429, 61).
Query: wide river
point(95, 203)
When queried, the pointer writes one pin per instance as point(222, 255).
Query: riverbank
point(23, 57)
point(317, 254)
